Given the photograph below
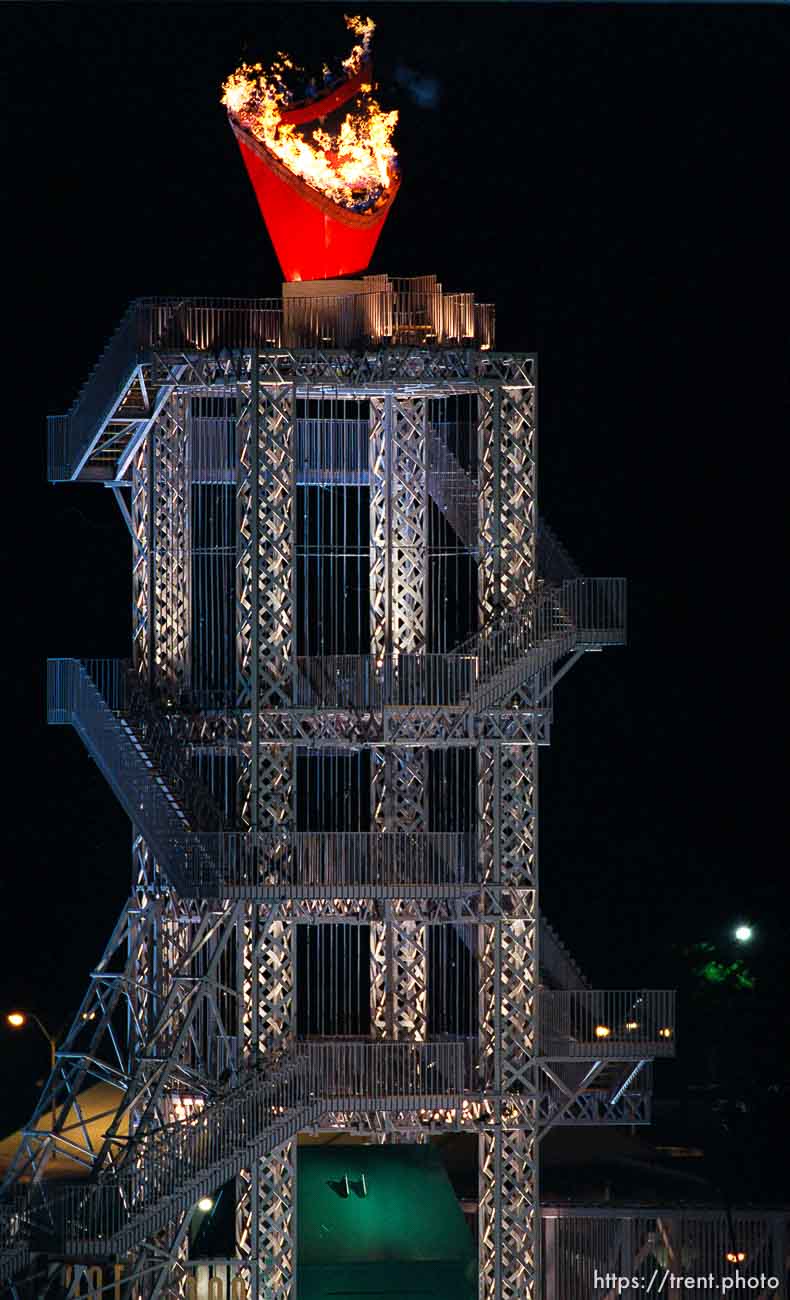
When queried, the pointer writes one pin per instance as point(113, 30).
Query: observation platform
point(176, 1164)
point(158, 339)
point(139, 743)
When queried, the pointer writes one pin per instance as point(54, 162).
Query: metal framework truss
point(270, 489)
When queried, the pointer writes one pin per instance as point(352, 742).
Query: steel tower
point(348, 623)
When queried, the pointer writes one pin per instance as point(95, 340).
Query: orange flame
point(364, 29)
point(354, 163)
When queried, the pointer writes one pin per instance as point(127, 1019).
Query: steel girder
point(197, 974)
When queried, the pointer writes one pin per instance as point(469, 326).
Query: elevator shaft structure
point(347, 624)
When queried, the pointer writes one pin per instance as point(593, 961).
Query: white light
point(743, 933)
point(206, 1203)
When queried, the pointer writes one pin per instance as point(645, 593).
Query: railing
point(14, 1236)
point(332, 451)
point(554, 563)
point(453, 490)
point(519, 642)
point(597, 1250)
point(209, 324)
point(456, 494)
point(601, 1024)
point(398, 312)
point(368, 682)
point(96, 699)
point(563, 970)
point(345, 863)
point(167, 1170)
point(609, 1251)
point(485, 325)
point(74, 698)
point(156, 731)
point(69, 435)
point(587, 1251)
point(12, 1221)
point(517, 645)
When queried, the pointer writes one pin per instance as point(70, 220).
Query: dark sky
point(610, 178)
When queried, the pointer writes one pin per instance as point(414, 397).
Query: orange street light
point(18, 1020)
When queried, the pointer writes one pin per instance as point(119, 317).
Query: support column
point(142, 560)
point(267, 1011)
point(170, 561)
point(399, 947)
point(398, 524)
point(266, 1194)
point(507, 510)
point(266, 500)
point(266, 1224)
point(509, 1216)
point(508, 974)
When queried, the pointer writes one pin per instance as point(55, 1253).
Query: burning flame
point(364, 29)
point(354, 164)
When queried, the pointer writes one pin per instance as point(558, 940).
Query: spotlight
point(205, 1204)
point(743, 933)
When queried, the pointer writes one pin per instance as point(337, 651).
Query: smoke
point(424, 91)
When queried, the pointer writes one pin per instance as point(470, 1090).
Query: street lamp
point(18, 1020)
point(743, 933)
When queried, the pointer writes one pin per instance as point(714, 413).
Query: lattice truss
point(149, 1031)
point(398, 523)
point(191, 993)
point(161, 569)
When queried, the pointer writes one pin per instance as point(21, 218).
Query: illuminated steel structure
point(348, 622)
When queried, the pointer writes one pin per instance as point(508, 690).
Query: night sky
point(608, 176)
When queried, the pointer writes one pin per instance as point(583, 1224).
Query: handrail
point(395, 313)
point(73, 698)
point(94, 697)
point(371, 682)
point(168, 1169)
point(606, 1023)
point(314, 863)
point(520, 641)
point(133, 751)
point(69, 435)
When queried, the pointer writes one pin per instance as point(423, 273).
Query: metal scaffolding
point(348, 621)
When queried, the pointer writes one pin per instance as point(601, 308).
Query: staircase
point(74, 699)
point(167, 1170)
point(71, 435)
point(451, 489)
point(518, 643)
point(131, 751)
point(456, 496)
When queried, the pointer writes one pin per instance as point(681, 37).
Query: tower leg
point(266, 1223)
point(509, 1216)
point(266, 1194)
point(509, 1222)
point(399, 946)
